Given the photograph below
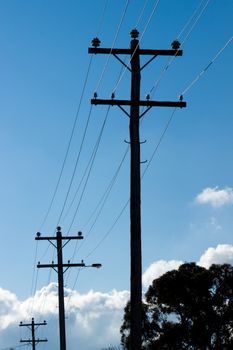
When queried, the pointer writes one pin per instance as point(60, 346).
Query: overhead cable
point(113, 44)
point(76, 164)
point(89, 172)
point(140, 39)
point(207, 67)
point(141, 14)
point(170, 60)
point(159, 142)
point(68, 147)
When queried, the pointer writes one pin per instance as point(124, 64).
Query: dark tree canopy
point(189, 308)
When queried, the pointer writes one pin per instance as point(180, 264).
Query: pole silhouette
point(135, 178)
point(33, 326)
point(59, 268)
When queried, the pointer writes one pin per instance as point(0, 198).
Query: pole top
point(58, 229)
point(95, 42)
point(175, 45)
point(134, 33)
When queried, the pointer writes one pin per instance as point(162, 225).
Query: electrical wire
point(160, 141)
point(121, 75)
point(68, 146)
point(75, 168)
point(76, 164)
point(170, 60)
point(113, 44)
point(87, 179)
point(91, 166)
point(140, 39)
point(81, 181)
point(102, 18)
point(190, 19)
point(207, 67)
point(125, 9)
point(35, 275)
point(15, 347)
point(109, 230)
point(101, 204)
point(103, 199)
point(141, 14)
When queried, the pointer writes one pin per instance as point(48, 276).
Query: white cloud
point(223, 253)
point(215, 197)
point(93, 319)
point(157, 269)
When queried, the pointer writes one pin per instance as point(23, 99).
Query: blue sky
point(43, 66)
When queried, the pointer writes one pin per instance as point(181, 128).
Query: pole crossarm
point(112, 102)
point(144, 52)
point(57, 265)
point(35, 324)
point(54, 238)
point(30, 340)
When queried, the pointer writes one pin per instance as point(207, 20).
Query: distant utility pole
point(135, 182)
point(59, 269)
point(33, 326)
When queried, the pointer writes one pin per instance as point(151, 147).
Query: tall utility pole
point(60, 272)
point(135, 183)
point(33, 326)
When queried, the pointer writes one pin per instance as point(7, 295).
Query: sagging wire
point(91, 166)
point(113, 44)
point(159, 142)
point(140, 39)
point(170, 60)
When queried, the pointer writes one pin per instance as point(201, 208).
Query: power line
point(68, 146)
point(141, 14)
point(208, 66)
point(135, 179)
point(14, 347)
point(101, 203)
point(75, 166)
point(88, 167)
point(160, 141)
point(190, 19)
point(109, 230)
point(170, 60)
point(106, 194)
point(67, 152)
point(142, 35)
point(115, 175)
point(89, 172)
point(172, 114)
point(113, 44)
point(102, 18)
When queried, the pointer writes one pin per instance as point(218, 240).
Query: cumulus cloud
point(92, 319)
point(215, 197)
point(222, 254)
point(157, 269)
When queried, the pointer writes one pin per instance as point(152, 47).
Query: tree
point(190, 308)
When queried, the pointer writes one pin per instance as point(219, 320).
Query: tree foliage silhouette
point(190, 308)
